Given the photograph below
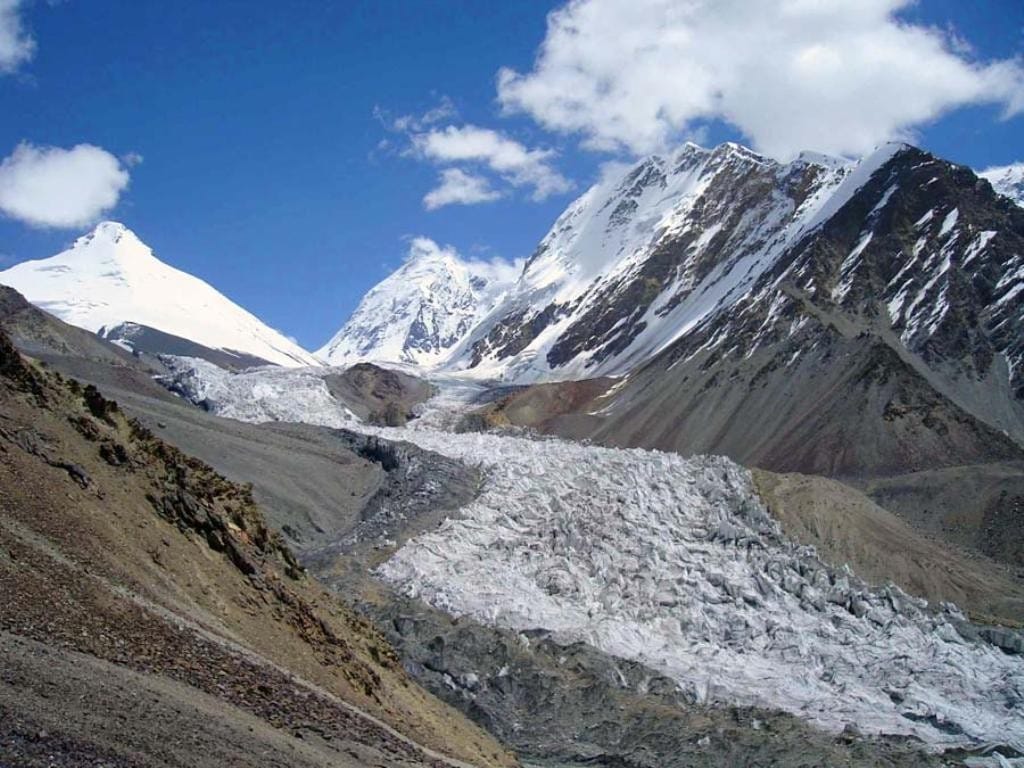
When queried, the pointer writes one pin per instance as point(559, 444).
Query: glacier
point(671, 562)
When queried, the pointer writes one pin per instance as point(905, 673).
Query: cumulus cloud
point(16, 45)
point(456, 187)
point(60, 188)
point(519, 166)
point(836, 76)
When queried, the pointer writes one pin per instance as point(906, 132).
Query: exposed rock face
point(885, 339)
point(39, 333)
point(143, 340)
point(729, 251)
point(633, 263)
point(378, 395)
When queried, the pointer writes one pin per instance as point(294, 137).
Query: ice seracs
point(422, 310)
point(109, 277)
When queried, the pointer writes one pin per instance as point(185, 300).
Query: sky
point(289, 153)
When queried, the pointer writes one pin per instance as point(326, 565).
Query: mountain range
point(713, 300)
point(638, 264)
point(820, 563)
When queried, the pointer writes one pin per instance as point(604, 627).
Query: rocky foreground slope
point(150, 616)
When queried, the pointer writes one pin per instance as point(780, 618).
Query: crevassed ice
point(675, 563)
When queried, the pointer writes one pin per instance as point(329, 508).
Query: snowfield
point(675, 563)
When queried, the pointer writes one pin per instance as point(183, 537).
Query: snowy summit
point(422, 310)
point(110, 278)
point(1007, 180)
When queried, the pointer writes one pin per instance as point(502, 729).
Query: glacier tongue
point(258, 394)
point(675, 563)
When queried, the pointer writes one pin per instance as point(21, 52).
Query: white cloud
point(443, 110)
point(457, 187)
point(836, 76)
point(16, 45)
point(60, 188)
point(515, 163)
point(496, 270)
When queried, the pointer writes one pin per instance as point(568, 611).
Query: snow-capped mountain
point(638, 261)
point(729, 250)
point(109, 282)
point(1007, 180)
point(848, 321)
point(733, 290)
point(421, 310)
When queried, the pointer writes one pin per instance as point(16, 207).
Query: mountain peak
point(109, 278)
point(1007, 180)
point(115, 246)
point(420, 311)
point(112, 232)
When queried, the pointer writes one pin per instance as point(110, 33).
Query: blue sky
point(272, 165)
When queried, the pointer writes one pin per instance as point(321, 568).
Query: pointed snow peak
point(730, 149)
point(111, 241)
point(420, 311)
point(112, 230)
point(883, 153)
point(427, 264)
point(106, 232)
point(109, 277)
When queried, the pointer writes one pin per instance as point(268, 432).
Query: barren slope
point(115, 545)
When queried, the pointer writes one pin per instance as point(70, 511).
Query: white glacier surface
point(674, 563)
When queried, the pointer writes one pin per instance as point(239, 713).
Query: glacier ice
point(674, 563)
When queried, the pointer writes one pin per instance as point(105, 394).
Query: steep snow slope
point(675, 563)
point(110, 277)
point(1007, 180)
point(418, 312)
point(638, 261)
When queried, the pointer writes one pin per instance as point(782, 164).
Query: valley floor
point(676, 564)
